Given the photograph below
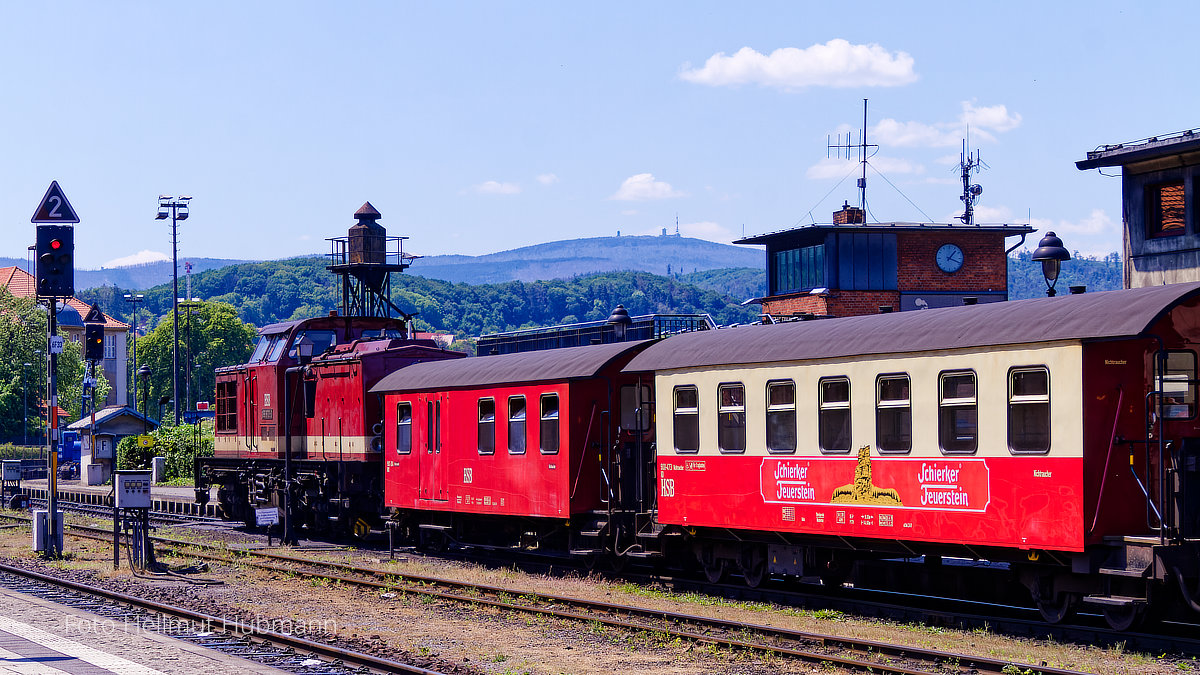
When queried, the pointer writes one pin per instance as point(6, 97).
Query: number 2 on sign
point(53, 213)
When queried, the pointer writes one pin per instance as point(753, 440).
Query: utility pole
point(176, 210)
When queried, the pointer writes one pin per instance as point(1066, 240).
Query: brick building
point(1161, 238)
point(852, 267)
point(115, 365)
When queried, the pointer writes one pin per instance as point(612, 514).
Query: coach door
point(433, 466)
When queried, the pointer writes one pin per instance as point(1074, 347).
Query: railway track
point(854, 655)
point(280, 650)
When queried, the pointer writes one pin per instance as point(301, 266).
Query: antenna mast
point(861, 148)
point(969, 164)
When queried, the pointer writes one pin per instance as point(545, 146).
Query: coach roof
point(1105, 314)
point(549, 364)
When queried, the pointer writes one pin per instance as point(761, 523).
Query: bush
point(180, 445)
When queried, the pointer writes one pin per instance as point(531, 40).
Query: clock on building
point(949, 258)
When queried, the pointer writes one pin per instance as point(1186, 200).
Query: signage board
point(54, 207)
point(56, 344)
point(268, 516)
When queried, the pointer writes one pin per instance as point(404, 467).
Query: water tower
point(365, 259)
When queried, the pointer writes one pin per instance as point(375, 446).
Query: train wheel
point(753, 565)
point(1054, 606)
point(1124, 617)
point(715, 571)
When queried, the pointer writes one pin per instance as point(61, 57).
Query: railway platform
point(42, 638)
point(165, 498)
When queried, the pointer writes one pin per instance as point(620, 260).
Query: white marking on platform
point(100, 659)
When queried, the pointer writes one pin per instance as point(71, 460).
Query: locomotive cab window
point(958, 413)
point(833, 414)
point(321, 339)
point(731, 417)
point(893, 414)
point(1029, 410)
point(1177, 384)
point(260, 348)
point(548, 432)
point(403, 428)
point(781, 417)
point(276, 350)
point(486, 433)
point(687, 419)
point(516, 425)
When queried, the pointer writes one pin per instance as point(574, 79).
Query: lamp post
point(1050, 253)
point(134, 300)
point(176, 210)
point(620, 321)
point(25, 399)
point(144, 372)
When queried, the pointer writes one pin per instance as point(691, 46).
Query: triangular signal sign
point(54, 207)
point(94, 315)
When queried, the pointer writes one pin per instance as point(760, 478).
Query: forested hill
point(280, 290)
point(663, 255)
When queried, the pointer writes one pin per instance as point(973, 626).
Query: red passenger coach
point(521, 449)
point(1058, 435)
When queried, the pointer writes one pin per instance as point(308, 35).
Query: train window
point(687, 419)
point(548, 432)
point(227, 407)
point(1178, 384)
point(1029, 410)
point(731, 417)
point(260, 348)
point(516, 425)
point(781, 416)
point(276, 350)
point(958, 413)
point(487, 426)
point(833, 418)
point(403, 428)
point(321, 339)
point(893, 414)
point(635, 407)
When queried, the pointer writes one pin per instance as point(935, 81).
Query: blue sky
point(480, 127)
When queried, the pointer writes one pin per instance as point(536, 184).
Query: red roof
point(21, 284)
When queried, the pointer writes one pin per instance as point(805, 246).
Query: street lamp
point(620, 321)
point(1050, 253)
point(176, 210)
point(134, 300)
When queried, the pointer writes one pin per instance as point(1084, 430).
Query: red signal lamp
point(55, 244)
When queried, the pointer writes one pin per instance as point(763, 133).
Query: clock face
point(949, 258)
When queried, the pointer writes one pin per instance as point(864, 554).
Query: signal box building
point(852, 267)
point(1161, 240)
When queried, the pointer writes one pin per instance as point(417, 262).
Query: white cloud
point(492, 187)
point(547, 179)
point(643, 187)
point(836, 63)
point(984, 123)
point(831, 167)
point(139, 258)
point(1095, 223)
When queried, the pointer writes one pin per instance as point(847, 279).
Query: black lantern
point(1050, 253)
point(620, 322)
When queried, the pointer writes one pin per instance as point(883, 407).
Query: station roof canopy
point(1106, 314)
point(1133, 152)
point(547, 365)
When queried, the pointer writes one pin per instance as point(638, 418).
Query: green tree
point(218, 338)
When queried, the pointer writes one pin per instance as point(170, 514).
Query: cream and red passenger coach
point(1059, 435)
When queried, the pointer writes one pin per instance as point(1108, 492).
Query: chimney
point(849, 215)
point(1078, 290)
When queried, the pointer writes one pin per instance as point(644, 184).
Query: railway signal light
point(93, 340)
point(55, 261)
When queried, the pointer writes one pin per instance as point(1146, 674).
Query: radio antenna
point(969, 164)
point(861, 149)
